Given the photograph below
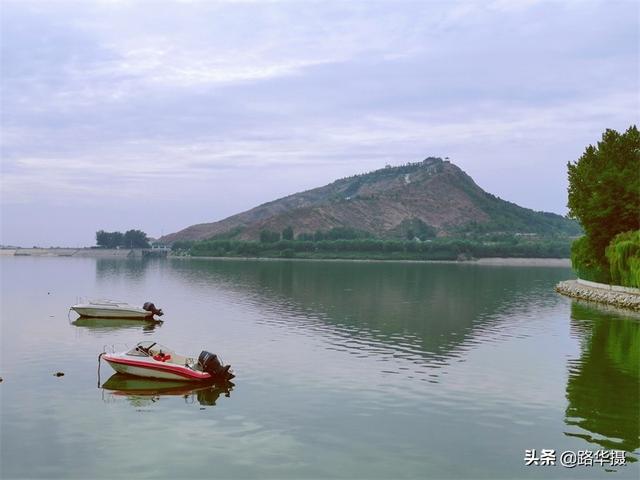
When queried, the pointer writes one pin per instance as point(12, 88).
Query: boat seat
point(178, 359)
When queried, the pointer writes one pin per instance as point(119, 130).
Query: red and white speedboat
point(152, 360)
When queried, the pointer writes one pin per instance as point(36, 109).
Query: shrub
point(586, 262)
point(287, 233)
point(267, 236)
point(182, 245)
point(623, 254)
point(287, 253)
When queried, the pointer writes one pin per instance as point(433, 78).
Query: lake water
point(344, 370)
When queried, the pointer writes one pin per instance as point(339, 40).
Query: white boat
point(152, 360)
point(113, 309)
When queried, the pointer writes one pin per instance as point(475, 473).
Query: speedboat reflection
point(145, 391)
point(98, 324)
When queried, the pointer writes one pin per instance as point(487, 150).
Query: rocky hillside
point(430, 196)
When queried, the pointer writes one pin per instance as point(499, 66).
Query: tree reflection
point(132, 268)
point(604, 383)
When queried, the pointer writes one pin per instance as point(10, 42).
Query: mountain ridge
point(386, 203)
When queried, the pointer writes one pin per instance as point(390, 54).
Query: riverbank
point(501, 261)
point(524, 262)
point(138, 253)
point(81, 252)
point(608, 296)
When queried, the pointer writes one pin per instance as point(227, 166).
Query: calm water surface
point(344, 370)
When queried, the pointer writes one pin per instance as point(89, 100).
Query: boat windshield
point(149, 348)
point(107, 302)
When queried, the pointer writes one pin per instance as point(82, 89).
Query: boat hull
point(150, 368)
point(98, 312)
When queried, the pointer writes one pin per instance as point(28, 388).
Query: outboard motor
point(210, 363)
point(150, 307)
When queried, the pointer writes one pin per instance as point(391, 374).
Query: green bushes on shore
point(623, 254)
point(586, 263)
point(372, 248)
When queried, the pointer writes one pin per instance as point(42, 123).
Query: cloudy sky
point(157, 115)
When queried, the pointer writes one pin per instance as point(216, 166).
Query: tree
point(623, 254)
point(267, 236)
point(411, 234)
point(135, 239)
point(287, 233)
point(319, 235)
point(102, 238)
point(305, 237)
point(109, 239)
point(587, 263)
point(604, 188)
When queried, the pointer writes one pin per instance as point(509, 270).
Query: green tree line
point(440, 249)
point(336, 233)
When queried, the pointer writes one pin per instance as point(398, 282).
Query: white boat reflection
point(108, 324)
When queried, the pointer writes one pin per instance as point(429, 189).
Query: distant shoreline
point(72, 252)
point(493, 261)
point(137, 253)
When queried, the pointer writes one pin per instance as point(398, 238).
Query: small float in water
point(113, 309)
point(151, 360)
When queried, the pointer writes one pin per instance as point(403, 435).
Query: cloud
point(104, 99)
point(133, 163)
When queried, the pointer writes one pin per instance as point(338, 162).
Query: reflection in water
point(604, 383)
point(477, 354)
point(417, 311)
point(105, 325)
point(145, 391)
point(131, 268)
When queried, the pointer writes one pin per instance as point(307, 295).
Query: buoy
point(58, 374)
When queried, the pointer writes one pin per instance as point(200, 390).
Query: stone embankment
point(623, 298)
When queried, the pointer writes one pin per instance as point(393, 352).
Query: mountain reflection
point(604, 383)
point(144, 391)
point(427, 309)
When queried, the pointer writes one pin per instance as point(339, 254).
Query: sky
point(157, 115)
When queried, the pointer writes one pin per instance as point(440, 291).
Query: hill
point(429, 198)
